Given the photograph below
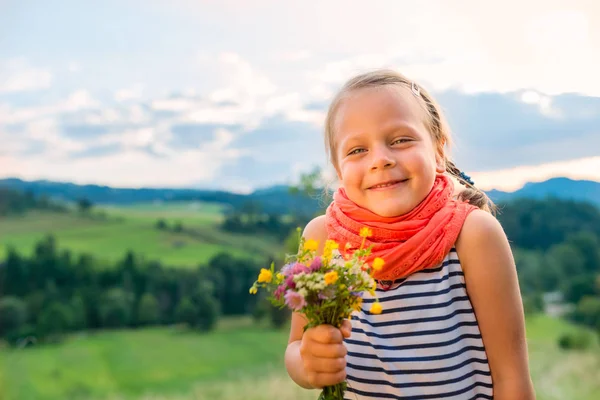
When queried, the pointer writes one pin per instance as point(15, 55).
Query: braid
point(471, 194)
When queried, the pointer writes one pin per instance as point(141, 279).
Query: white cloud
point(543, 102)
point(17, 75)
point(133, 93)
point(512, 179)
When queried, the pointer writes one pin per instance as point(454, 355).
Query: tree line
point(556, 245)
point(53, 292)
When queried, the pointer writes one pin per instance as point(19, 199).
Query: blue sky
point(231, 94)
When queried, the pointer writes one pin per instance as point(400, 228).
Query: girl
point(452, 325)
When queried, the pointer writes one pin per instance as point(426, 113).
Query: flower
point(357, 304)
point(298, 268)
point(253, 290)
point(316, 264)
point(289, 282)
point(330, 245)
point(365, 232)
point(331, 277)
point(265, 276)
point(311, 245)
point(294, 300)
point(376, 308)
point(279, 292)
point(279, 277)
point(377, 263)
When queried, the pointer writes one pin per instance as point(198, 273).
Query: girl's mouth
point(388, 185)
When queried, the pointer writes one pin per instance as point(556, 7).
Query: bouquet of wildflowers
point(326, 288)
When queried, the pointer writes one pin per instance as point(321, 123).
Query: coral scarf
point(408, 243)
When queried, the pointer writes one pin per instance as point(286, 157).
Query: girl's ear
point(440, 164)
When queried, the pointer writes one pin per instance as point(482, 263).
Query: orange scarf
point(408, 243)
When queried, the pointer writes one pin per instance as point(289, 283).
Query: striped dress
point(426, 343)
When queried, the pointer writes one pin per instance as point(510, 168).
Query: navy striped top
point(426, 343)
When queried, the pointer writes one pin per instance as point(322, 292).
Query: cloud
point(191, 135)
point(133, 93)
point(511, 179)
point(17, 75)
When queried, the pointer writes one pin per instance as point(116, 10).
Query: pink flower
point(294, 300)
point(279, 292)
point(297, 268)
point(316, 264)
point(289, 282)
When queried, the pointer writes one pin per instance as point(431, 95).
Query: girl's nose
point(382, 159)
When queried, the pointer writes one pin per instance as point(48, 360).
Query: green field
point(238, 360)
point(112, 231)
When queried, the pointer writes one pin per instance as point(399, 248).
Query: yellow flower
point(331, 277)
point(311, 245)
point(253, 290)
point(357, 304)
point(279, 277)
point(378, 263)
point(366, 232)
point(376, 308)
point(265, 276)
point(330, 245)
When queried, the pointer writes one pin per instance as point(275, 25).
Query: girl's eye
point(401, 140)
point(355, 151)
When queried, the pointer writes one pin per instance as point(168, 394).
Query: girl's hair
point(434, 122)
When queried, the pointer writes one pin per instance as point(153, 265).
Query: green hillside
point(112, 231)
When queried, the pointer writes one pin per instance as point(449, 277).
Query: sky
point(232, 94)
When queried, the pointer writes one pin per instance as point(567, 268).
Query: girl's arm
point(493, 287)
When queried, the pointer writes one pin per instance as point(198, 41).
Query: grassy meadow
point(111, 231)
point(238, 360)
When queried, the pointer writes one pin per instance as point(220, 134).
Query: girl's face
point(386, 158)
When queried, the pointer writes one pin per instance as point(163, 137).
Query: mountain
point(562, 188)
point(277, 198)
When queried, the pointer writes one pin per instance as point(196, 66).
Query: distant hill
point(561, 188)
point(277, 198)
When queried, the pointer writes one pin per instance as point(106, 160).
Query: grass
point(238, 360)
point(559, 374)
point(133, 228)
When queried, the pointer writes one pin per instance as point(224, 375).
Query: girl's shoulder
point(316, 229)
point(481, 232)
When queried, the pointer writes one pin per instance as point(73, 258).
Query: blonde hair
point(434, 122)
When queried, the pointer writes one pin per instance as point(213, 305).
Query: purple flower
point(286, 269)
point(316, 264)
point(294, 300)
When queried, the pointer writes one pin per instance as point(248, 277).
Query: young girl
point(452, 325)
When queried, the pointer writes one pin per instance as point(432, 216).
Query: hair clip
point(415, 89)
point(466, 178)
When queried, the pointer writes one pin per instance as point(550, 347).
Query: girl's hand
point(324, 354)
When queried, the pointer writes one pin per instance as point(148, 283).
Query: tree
point(54, 321)
point(148, 313)
point(207, 307)
point(587, 312)
point(115, 310)
point(186, 312)
point(208, 312)
point(84, 205)
point(78, 313)
point(13, 315)
point(161, 224)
